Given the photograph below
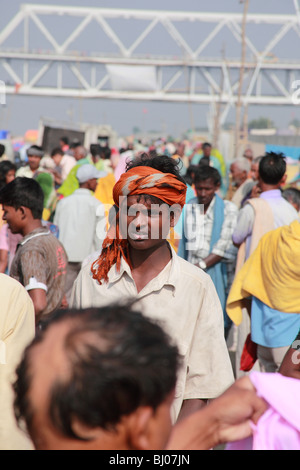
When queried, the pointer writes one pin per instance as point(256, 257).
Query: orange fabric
point(139, 180)
point(142, 180)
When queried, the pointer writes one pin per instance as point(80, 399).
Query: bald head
point(87, 370)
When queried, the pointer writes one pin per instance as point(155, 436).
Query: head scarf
point(136, 181)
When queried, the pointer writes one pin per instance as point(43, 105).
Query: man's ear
point(174, 216)
point(217, 186)
point(139, 428)
point(23, 211)
point(283, 179)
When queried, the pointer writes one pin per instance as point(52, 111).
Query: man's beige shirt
point(183, 298)
point(17, 330)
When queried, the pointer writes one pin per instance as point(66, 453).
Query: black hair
point(25, 192)
point(2, 149)
point(206, 144)
point(272, 168)
point(162, 163)
point(65, 140)
point(5, 167)
point(189, 175)
point(118, 361)
point(205, 172)
point(95, 149)
point(57, 150)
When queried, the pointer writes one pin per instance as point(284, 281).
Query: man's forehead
point(48, 357)
point(208, 182)
point(143, 200)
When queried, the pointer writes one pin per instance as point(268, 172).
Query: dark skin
point(21, 221)
point(149, 256)
point(290, 366)
point(262, 187)
point(206, 191)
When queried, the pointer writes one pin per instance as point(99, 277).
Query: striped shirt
point(198, 231)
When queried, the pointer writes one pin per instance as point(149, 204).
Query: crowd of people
point(126, 274)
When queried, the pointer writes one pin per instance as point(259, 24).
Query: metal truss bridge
point(173, 56)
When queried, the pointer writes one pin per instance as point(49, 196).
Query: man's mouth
point(139, 236)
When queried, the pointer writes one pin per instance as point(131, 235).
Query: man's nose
point(141, 219)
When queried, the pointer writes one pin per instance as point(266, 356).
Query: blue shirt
point(272, 328)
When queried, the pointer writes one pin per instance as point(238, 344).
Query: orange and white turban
point(139, 180)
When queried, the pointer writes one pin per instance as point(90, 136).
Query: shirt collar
point(168, 276)
point(82, 190)
point(35, 233)
point(271, 194)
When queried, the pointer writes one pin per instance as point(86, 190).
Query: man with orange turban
point(137, 262)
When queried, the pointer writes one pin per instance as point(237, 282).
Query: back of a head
point(64, 140)
point(117, 359)
point(24, 192)
point(205, 172)
point(95, 150)
point(272, 168)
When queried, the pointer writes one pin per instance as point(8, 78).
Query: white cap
point(88, 172)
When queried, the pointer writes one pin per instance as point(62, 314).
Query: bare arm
point(3, 260)
point(290, 366)
point(190, 406)
point(212, 259)
point(38, 297)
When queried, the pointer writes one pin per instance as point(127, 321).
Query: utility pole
point(241, 79)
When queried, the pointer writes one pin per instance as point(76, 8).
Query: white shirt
point(79, 218)
point(183, 298)
point(66, 164)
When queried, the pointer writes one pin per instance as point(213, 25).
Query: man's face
point(205, 191)
point(161, 425)
point(93, 184)
point(254, 171)
point(206, 151)
point(13, 217)
point(57, 158)
point(34, 162)
point(238, 176)
point(10, 176)
point(144, 223)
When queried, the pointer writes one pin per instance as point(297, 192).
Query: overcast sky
point(22, 113)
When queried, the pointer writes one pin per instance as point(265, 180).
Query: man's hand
point(236, 409)
point(225, 419)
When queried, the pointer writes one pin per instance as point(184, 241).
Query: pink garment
point(9, 242)
point(279, 427)
point(121, 166)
